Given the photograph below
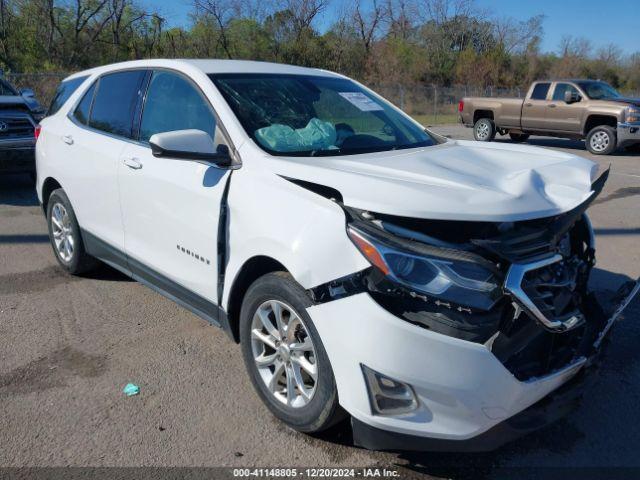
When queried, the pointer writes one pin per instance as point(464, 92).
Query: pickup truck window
point(540, 91)
point(115, 101)
point(598, 90)
point(173, 103)
point(63, 92)
point(561, 88)
point(308, 115)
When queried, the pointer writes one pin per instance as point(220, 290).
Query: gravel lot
point(69, 345)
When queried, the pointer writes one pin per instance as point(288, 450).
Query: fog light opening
point(388, 396)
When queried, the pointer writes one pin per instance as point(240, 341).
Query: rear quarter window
point(83, 109)
point(63, 92)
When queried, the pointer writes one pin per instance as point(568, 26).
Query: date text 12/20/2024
point(315, 472)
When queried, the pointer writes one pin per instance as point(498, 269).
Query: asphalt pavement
point(69, 345)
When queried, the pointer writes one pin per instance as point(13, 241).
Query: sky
point(601, 21)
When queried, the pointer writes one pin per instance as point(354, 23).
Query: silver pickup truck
point(20, 112)
point(579, 109)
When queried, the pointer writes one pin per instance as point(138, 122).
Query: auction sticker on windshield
point(361, 101)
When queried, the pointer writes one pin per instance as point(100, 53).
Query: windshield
point(306, 115)
point(6, 89)
point(598, 90)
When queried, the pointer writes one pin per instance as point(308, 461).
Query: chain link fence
point(43, 84)
point(432, 104)
point(429, 104)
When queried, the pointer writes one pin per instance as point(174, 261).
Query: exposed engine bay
point(520, 288)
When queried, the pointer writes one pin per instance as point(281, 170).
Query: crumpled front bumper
point(465, 393)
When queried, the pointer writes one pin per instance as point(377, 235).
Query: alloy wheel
point(62, 232)
point(284, 353)
point(482, 130)
point(599, 141)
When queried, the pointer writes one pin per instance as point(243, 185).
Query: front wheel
point(484, 130)
point(284, 355)
point(601, 140)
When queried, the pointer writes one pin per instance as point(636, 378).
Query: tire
point(484, 130)
point(601, 140)
point(519, 137)
point(63, 227)
point(321, 410)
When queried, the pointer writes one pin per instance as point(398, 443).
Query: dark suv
point(20, 112)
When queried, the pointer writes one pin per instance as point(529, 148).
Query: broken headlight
point(450, 279)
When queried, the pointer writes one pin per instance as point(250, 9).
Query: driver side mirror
point(190, 145)
point(571, 96)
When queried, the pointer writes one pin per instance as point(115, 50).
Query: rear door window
point(540, 91)
point(115, 102)
point(63, 92)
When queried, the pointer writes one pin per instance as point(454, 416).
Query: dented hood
point(456, 180)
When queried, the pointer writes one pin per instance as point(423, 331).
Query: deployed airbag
point(317, 135)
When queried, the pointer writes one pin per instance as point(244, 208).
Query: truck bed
point(507, 112)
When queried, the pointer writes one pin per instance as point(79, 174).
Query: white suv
point(431, 289)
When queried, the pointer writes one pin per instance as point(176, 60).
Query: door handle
point(528, 104)
point(132, 162)
point(68, 139)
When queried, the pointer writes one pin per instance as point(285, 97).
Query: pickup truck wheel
point(518, 137)
point(64, 234)
point(484, 130)
point(284, 356)
point(601, 140)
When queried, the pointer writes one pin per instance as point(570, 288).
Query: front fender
point(271, 216)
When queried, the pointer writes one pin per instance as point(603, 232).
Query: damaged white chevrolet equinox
point(434, 290)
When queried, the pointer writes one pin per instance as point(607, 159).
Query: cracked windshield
point(307, 115)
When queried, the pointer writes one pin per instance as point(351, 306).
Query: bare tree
point(222, 11)
point(516, 36)
point(303, 14)
point(368, 23)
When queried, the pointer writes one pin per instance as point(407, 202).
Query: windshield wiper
point(324, 153)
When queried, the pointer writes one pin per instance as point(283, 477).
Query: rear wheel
point(484, 130)
point(518, 137)
point(601, 140)
point(284, 355)
point(64, 234)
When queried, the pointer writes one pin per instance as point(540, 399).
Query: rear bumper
point(628, 134)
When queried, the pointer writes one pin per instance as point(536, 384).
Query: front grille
point(16, 127)
point(556, 289)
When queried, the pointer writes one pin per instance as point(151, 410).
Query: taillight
point(460, 106)
point(36, 132)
